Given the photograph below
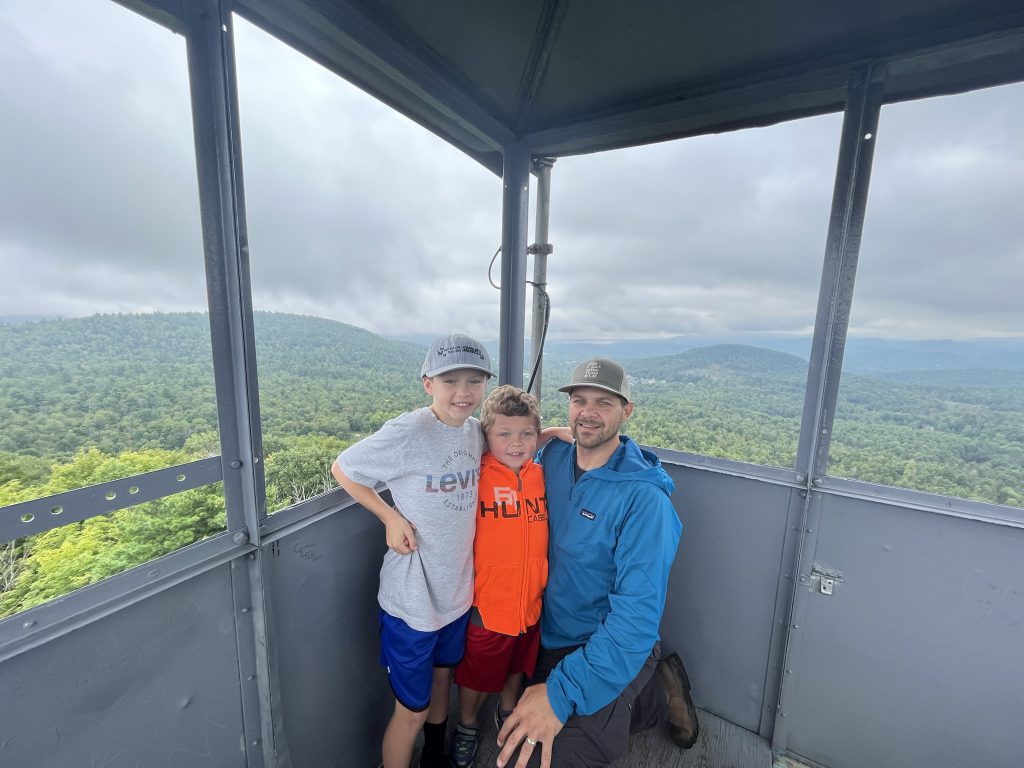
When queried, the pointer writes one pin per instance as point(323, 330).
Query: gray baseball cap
point(602, 373)
point(457, 351)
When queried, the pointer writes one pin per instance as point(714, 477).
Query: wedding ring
point(530, 741)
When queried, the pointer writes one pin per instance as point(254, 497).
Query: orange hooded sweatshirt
point(510, 551)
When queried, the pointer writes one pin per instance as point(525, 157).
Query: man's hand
point(533, 724)
point(400, 534)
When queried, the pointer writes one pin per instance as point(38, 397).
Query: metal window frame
point(213, 84)
point(839, 270)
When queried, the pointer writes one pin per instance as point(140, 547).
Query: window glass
point(696, 264)
point(932, 394)
point(105, 358)
point(369, 237)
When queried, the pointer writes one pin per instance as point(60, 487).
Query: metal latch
point(824, 580)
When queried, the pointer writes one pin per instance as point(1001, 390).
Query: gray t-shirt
point(433, 471)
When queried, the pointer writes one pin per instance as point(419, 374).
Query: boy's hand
point(400, 534)
point(551, 433)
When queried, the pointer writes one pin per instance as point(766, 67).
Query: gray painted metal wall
point(917, 658)
point(154, 684)
point(722, 594)
point(914, 660)
point(334, 699)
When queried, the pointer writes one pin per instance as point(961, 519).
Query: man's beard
point(594, 439)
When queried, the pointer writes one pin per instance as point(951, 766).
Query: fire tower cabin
point(695, 187)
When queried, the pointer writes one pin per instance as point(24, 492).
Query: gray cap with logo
point(602, 373)
point(450, 353)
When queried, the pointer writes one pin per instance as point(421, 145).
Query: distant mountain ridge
point(861, 353)
point(736, 359)
point(134, 382)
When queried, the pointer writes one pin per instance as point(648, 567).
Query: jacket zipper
point(526, 553)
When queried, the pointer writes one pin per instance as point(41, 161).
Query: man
point(613, 536)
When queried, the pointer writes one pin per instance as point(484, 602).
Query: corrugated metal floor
point(721, 745)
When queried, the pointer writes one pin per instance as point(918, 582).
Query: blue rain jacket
point(613, 536)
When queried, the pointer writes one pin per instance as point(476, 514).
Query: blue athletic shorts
point(409, 656)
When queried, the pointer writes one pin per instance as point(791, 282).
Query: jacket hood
point(631, 463)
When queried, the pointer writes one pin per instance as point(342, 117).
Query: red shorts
point(491, 657)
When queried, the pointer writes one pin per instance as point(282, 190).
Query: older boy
point(430, 460)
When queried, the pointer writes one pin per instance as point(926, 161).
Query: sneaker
point(500, 715)
point(682, 715)
point(464, 746)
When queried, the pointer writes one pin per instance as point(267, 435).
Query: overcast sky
point(358, 214)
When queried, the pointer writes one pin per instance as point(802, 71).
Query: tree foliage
point(90, 400)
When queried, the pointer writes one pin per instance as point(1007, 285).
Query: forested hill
point(89, 400)
point(134, 382)
point(720, 361)
point(127, 382)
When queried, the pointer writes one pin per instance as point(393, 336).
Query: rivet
point(236, 464)
point(251, 677)
point(796, 626)
point(29, 624)
point(245, 610)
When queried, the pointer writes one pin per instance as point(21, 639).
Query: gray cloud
point(356, 213)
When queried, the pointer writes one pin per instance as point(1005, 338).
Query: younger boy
point(430, 460)
point(510, 553)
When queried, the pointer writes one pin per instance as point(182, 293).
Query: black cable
point(490, 267)
point(547, 319)
point(543, 337)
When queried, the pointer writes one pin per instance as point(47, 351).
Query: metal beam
point(835, 295)
point(218, 160)
point(917, 67)
point(541, 301)
point(31, 517)
point(550, 23)
point(514, 209)
point(849, 199)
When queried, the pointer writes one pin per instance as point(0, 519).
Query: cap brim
point(460, 366)
point(571, 387)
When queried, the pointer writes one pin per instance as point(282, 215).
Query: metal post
point(849, 199)
point(218, 161)
point(540, 267)
point(514, 209)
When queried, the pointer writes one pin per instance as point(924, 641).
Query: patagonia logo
point(588, 514)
